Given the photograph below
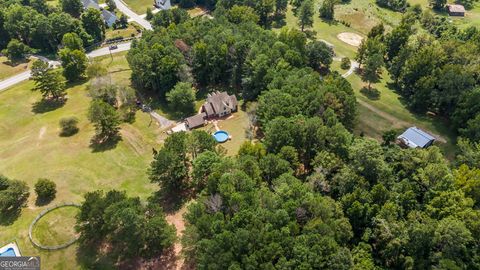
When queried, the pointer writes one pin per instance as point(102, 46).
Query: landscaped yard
point(128, 32)
point(8, 70)
point(31, 148)
point(236, 125)
point(139, 6)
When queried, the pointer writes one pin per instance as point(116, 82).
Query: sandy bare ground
point(350, 38)
point(176, 219)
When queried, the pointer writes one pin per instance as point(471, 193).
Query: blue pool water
point(8, 253)
point(221, 136)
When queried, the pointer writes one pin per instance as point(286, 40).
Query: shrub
point(68, 126)
point(345, 63)
point(45, 189)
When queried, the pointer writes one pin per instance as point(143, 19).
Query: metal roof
point(415, 137)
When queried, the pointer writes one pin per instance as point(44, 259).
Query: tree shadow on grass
point(9, 217)
point(43, 201)
point(370, 93)
point(102, 145)
point(48, 105)
point(171, 202)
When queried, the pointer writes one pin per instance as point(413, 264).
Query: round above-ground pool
point(221, 136)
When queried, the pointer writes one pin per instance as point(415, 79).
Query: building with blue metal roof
point(416, 138)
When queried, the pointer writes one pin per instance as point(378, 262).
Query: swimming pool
point(10, 252)
point(221, 136)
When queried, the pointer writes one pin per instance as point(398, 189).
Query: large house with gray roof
point(219, 104)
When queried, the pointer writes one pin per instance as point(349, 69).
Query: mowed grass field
point(56, 227)
point(30, 148)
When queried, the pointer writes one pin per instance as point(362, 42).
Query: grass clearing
point(30, 148)
point(8, 70)
point(236, 125)
point(56, 227)
point(140, 6)
point(128, 32)
point(389, 111)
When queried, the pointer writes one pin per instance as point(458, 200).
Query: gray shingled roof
point(90, 4)
point(221, 99)
point(109, 17)
point(456, 8)
point(196, 120)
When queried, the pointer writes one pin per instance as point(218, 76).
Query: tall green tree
point(74, 63)
point(13, 195)
point(305, 14)
point(372, 68)
point(182, 98)
point(72, 41)
point(49, 82)
point(93, 23)
point(105, 119)
point(16, 51)
point(327, 10)
point(72, 7)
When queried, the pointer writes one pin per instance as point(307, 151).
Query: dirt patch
point(350, 38)
point(176, 219)
point(42, 132)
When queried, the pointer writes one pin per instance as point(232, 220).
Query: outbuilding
point(416, 138)
point(195, 121)
point(456, 10)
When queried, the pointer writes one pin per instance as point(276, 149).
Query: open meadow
point(31, 148)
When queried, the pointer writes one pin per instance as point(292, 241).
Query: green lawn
point(56, 227)
point(139, 6)
point(236, 125)
point(128, 32)
point(30, 148)
point(8, 70)
point(389, 112)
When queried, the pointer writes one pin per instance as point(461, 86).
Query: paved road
point(132, 15)
point(26, 74)
point(162, 121)
point(105, 51)
point(14, 80)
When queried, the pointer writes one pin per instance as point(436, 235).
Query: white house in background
point(416, 138)
point(162, 4)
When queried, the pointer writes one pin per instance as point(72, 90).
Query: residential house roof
point(109, 17)
point(90, 4)
point(221, 99)
point(456, 8)
point(196, 120)
point(414, 137)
